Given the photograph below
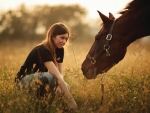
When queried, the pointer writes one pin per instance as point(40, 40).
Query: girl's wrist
point(70, 99)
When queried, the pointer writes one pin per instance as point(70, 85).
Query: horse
point(115, 35)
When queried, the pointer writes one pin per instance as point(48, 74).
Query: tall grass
point(127, 85)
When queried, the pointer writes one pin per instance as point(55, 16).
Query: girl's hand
point(72, 103)
point(59, 91)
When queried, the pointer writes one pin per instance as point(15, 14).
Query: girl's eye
point(64, 38)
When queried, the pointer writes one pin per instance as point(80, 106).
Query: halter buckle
point(109, 37)
point(106, 47)
point(93, 61)
point(107, 53)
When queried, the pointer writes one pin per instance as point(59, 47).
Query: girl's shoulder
point(40, 47)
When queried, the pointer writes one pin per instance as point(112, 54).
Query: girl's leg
point(28, 79)
point(49, 76)
point(51, 80)
point(24, 81)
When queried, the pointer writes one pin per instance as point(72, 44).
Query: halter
point(106, 46)
point(93, 59)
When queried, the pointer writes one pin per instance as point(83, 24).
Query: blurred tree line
point(25, 23)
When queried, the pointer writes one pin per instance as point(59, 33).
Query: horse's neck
point(134, 27)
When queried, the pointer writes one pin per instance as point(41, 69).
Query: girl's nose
point(64, 41)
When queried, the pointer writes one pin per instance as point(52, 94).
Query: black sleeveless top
point(34, 64)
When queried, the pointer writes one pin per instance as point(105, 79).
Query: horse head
point(107, 50)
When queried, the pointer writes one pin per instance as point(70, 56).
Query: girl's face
point(60, 40)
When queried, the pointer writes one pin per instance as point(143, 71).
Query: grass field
point(127, 85)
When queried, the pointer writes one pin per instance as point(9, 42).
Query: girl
point(47, 59)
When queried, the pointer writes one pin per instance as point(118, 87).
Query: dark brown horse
point(115, 36)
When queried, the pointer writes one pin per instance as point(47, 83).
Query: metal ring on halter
point(109, 37)
point(107, 52)
point(93, 61)
point(106, 47)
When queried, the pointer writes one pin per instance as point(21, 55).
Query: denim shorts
point(29, 78)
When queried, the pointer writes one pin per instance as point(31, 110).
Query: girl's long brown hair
point(55, 29)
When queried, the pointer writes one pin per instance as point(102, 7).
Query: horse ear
point(111, 16)
point(104, 18)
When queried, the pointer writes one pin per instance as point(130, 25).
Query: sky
point(105, 6)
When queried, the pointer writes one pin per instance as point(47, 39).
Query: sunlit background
point(104, 6)
point(23, 24)
point(91, 18)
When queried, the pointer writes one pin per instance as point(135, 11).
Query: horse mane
point(135, 5)
point(137, 12)
point(136, 18)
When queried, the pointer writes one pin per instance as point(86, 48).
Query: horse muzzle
point(90, 73)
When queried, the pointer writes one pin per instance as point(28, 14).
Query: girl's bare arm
point(54, 71)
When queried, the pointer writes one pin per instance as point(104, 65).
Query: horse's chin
point(91, 73)
point(90, 76)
